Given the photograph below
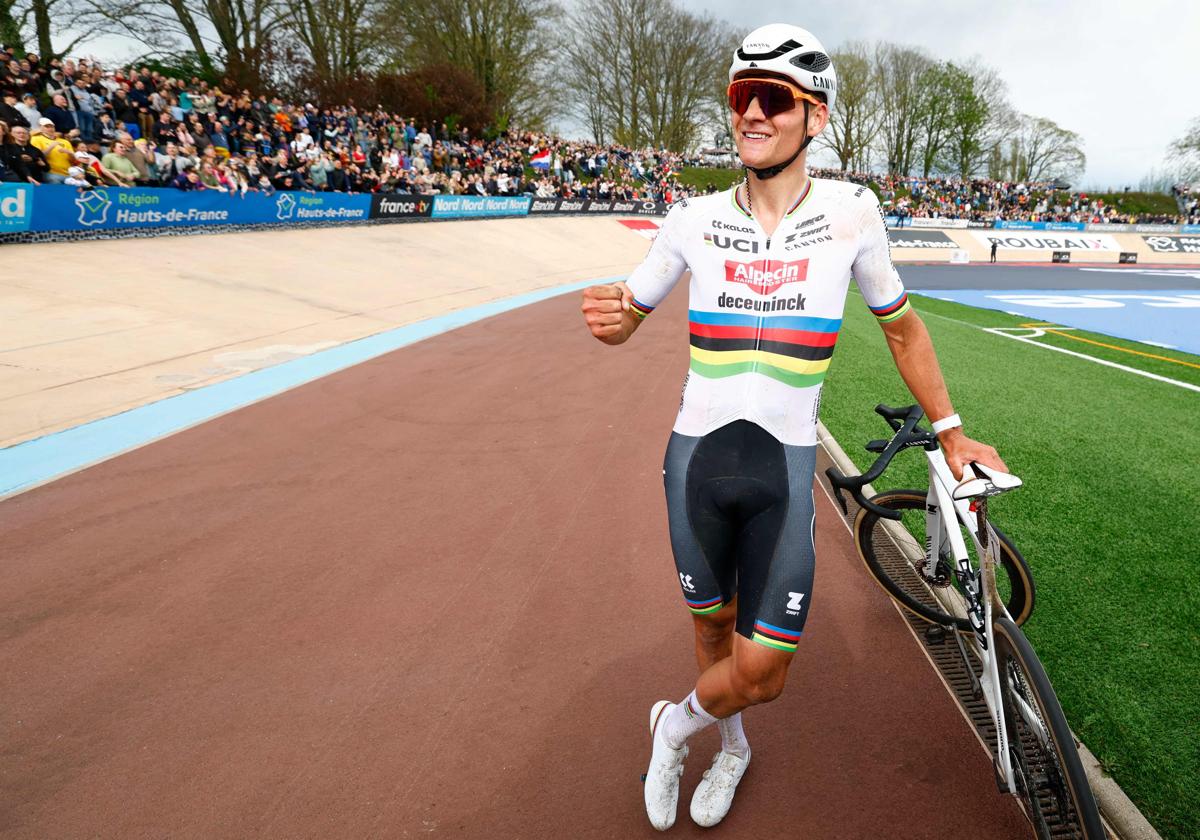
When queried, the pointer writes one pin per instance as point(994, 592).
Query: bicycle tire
point(1061, 798)
point(912, 592)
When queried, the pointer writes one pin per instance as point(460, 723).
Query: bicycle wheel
point(918, 592)
point(1049, 775)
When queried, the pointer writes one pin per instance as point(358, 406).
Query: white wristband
point(945, 423)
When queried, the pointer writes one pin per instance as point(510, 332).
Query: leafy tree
point(504, 44)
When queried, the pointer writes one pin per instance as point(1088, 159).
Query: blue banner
point(58, 207)
point(459, 206)
point(16, 207)
point(1003, 225)
point(1189, 228)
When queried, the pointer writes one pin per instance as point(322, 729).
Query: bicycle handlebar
point(904, 423)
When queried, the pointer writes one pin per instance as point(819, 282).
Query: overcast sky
point(1123, 74)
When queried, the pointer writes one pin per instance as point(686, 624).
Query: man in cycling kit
point(770, 264)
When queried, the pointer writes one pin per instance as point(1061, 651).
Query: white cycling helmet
point(790, 51)
point(796, 54)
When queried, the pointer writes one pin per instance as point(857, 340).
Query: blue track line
point(39, 460)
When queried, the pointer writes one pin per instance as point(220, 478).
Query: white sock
point(684, 721)
point(733, 738)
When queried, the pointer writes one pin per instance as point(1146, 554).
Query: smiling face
point(763, 141)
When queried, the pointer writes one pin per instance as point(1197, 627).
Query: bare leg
point(751, 674)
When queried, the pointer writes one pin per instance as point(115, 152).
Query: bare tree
point(48, 18)
point(232, 36)
point(504, 43)
point(856, 117)
point(1046, 151)
point(1185, 152)
point(899, 71)
point(633, 86)
point(341, 37)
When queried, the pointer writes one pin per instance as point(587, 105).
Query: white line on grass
point(1104, 362)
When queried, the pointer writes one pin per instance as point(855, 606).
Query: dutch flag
point(540, 160)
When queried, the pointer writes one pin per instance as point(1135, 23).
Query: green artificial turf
point(1106, 520)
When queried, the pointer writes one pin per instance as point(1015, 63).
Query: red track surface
point(432, 595)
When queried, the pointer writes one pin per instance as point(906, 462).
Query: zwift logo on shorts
point(16, 207)
point(766, 276)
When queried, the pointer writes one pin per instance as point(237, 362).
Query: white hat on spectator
point(45, 121)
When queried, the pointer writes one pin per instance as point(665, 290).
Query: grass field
point(1106, 520)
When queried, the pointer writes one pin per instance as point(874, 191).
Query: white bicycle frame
point(983, 600)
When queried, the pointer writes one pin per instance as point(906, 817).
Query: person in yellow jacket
point(58, 151)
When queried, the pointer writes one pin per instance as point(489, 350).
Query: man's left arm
point(917, 363)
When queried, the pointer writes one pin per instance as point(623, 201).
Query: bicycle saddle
point(988, 482)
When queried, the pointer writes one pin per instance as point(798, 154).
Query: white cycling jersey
point(765, 311)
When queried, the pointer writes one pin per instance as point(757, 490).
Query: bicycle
point(1036, 758)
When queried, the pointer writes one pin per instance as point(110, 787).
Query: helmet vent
point(814, 62)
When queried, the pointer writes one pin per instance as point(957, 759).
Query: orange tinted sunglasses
point(774, 96)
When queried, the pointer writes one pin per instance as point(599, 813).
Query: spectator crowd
point(75, 122)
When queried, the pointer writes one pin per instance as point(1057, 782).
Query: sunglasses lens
point(772, 99)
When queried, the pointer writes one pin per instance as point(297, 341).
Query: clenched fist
point(606, 310)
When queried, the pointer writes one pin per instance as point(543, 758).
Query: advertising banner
point(580, 205)
point(934, 223)
point(920, 239)
point(1189, 228)
point(400, 206)
point(1173, 244)
point(16, 207)
point(60, 207)
point(1003, 225)
point(1047, 241)
point(974, 224)
point(461, 206)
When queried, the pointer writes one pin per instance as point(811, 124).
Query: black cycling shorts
point(740, 505)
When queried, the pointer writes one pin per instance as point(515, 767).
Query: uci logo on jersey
point(746, 246)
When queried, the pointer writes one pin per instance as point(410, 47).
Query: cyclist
point(770, 261)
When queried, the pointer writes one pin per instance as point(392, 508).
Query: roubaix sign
point(1173, 244)
point(1047, 241)
point(920, 239)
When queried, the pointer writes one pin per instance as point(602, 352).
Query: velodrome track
point(428, 594)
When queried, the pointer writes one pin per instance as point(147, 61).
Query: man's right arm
point(613, 312)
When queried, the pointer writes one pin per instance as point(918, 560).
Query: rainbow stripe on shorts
point(775, 637)
point(891, 311)
point(705, 607)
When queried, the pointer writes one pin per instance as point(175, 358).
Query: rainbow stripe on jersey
point(641, 310)
point(775, 637)
point(791, 349)
point(891, 311)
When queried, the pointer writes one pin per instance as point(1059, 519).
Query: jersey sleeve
point(664, 264)
point(873, 269)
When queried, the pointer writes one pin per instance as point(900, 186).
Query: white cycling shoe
point(714, 794)
point(666, 766)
